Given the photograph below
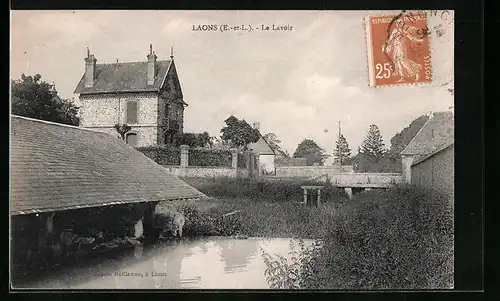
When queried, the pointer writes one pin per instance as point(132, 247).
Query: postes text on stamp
point(398, 49)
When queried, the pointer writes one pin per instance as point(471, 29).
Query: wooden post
point(319, 198)
point(305, 196)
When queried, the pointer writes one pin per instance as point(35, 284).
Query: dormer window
point(132, 111)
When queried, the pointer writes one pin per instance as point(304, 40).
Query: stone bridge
point(351, 181)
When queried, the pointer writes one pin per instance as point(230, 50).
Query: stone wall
point(203, 171)
point(310, 171)
point(282, 161)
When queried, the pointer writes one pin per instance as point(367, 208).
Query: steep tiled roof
point(121, 77)
point(437, 132)
point(58, 167)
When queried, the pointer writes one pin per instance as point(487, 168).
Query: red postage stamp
point(398, 49)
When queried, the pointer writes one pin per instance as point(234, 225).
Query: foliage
point(400, 140)
point(293, 272)
point(209, 157)
point(310, 150)
point(257, 218)
point(342, 150)
point(163, 155)
point(373, 145)
point(193, 140)
point(122, 129)
point(218, 143)
point(396, 239)
point(274, 143)
point(262, 189)
point(366, 163)
point(239, 132)
point(33, 98)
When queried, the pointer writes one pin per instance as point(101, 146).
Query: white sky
point(295, 83)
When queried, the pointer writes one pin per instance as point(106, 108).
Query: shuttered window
point(132, 112)
point(132, 139)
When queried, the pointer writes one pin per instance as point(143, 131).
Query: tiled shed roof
point(437, 132)
point(59, 167)
point(124, 77)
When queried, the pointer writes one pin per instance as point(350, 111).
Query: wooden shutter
point(132, 112)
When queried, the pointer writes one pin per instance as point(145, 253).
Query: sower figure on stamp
point(396, 49)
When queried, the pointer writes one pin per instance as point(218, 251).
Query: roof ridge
point(132, 62)
point(57, 124)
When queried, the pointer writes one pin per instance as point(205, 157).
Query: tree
point(31, 97)
point(273, 142)
point(310, 150)
point(373, 145)
point(122, 129)
point(239, 133)
point(342, 150)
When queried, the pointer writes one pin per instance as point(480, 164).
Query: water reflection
point(237, 254)
point(212, 263)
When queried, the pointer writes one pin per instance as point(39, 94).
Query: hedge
point(163, 155)
point(207, 157)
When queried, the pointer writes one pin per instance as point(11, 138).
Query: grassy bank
point(396, 239)
point(264, 208)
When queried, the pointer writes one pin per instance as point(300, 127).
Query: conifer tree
point(373, 145)
point(342, 150)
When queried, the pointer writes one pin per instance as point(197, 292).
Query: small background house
point(264, 154)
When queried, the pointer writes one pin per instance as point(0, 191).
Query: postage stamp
point(398, 49)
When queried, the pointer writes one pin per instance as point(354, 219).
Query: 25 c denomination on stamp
point(398, 49)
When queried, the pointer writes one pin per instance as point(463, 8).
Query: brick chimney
point(90, 62)
point(151, 66)
point(256, 125)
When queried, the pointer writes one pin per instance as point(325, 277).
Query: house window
point(131, 139)
point(132, 111)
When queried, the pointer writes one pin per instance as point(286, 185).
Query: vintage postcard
point(171, 150)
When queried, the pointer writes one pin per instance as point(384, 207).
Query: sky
point(297, 84)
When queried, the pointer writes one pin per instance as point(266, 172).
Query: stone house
point(428, 159)
point(60, 175)
point(145, 95)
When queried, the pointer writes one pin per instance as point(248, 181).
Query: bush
point(263, 189)
point(163, 155)
point(206, 224)
point(396, 239)
point(208, 157)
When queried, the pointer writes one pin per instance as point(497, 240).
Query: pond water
point(210, 263)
